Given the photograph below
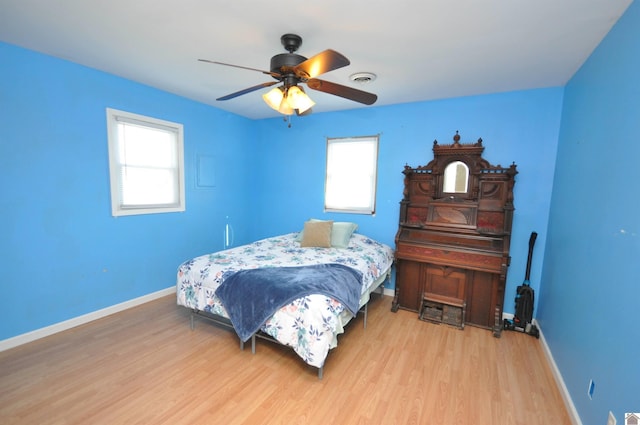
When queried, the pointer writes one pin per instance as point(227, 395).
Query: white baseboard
point(81, 320)
point(568, 402)
point(566, 397)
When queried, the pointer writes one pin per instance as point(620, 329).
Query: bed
point(309, 323)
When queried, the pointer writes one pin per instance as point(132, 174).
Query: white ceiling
point(419, 49)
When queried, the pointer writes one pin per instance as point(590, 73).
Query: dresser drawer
point(451, 257)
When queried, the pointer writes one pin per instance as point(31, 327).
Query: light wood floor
point(145, 366)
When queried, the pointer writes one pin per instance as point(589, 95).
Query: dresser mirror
point(456, 178)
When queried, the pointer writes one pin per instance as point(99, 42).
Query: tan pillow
point(317, 233)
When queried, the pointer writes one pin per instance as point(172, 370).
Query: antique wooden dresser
point(454, 233)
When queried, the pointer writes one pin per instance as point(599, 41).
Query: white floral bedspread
point(309, 325)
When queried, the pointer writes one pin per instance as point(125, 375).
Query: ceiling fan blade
point(342, 91)
point(273, 74)
point(319, 64)
point(247, 90)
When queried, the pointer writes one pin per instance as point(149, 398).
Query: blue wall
point(588, 306)
point(63, 254)
point(269, 179)
point(55, 203)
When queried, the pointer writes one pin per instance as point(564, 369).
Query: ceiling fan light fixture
point(274, 98)
point(295, 100)
point(298, 99)
point(285, 108)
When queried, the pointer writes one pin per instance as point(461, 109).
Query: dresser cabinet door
point(485, 293)
point(447, 281)
point(409, 285)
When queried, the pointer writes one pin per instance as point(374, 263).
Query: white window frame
point(351, 175)
point(117, 161)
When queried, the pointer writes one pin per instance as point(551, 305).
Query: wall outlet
point(592, 387)
point(612, 419)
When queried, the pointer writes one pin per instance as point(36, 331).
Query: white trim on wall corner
point(568, 402)
point(81, 320)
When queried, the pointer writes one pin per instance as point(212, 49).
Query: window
point(350, 183)
point(146, 164)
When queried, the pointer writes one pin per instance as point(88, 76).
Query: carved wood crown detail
point(469, 153)
point(469, 148)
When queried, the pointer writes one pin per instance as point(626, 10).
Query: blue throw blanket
point(252, 296)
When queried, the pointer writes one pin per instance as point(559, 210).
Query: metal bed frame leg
point(366, 308)
point(320, 369)
point(193, 325)
point(253, 344)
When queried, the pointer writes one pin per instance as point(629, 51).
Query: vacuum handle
point(532, 242)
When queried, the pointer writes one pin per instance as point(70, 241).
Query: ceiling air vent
point(362, 77)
